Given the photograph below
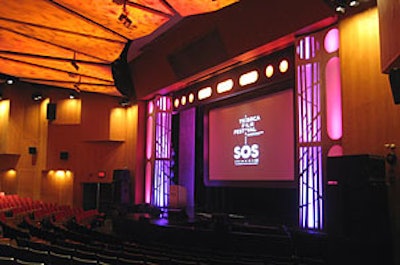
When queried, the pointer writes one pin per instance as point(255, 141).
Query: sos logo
point(246, 151)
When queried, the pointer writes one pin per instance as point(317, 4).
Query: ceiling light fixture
point(10, 81)
point(74, 63)
point(37, 97)
point(354, 3)
point(340, 9)
point(73, 95)
point(124, 102)
point(123, 17)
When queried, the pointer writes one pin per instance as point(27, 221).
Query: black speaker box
point(122, 186)
point(357, 203)
point(394, 78)
point(32, 150)
point(51, 111)
point(64, 155)
point(121, 74)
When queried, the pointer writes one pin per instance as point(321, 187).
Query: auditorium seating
point(35, 232)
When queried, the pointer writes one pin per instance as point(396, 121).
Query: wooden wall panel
point(370, 117)
point(389, 21)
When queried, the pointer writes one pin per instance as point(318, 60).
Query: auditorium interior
point(202, 132)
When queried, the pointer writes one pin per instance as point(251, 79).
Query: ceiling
point(73, 44)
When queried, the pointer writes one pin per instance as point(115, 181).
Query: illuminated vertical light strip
point(149, 151)
point(161, 177)
point(309, 135)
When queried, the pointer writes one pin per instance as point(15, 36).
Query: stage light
point(204, 93)
point(354, 3)
point(283, 66)
point(225, 86)
point(75, 65)
point(176, 102)
point(269, 71)
point(340, 9)
point(191, 98)
point(183, 100)
point(248, 78)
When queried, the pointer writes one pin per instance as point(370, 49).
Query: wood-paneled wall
point(96, 132)
point(370, 118)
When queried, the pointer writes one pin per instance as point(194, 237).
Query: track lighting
point(37, 97)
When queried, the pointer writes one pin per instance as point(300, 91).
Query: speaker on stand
point(357, 206)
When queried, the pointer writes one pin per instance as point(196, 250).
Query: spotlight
point(73, 95)
point(10, 81)
point(354, 3)
point(124, 102)
point(37, 97)
point(75, 65)
point(340, 9)
point(76, 86)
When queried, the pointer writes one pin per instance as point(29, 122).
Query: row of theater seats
point(48, 234)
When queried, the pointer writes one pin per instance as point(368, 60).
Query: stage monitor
point(251, 142)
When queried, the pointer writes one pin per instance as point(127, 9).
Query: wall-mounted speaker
point(32, 150)
point(394, 78)
point(51, 111)
point(64, 155)
point(121, 74)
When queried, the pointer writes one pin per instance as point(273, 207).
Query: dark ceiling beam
point(61, 30)
point(51, 58)
point(37, 80)
point(53, 44)
point(148, 9)
point(54, 69)
point(169, 6)
point(72, 12)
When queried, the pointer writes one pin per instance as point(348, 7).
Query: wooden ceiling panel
point(128, 20)
point(63, 43)
point(187, 8)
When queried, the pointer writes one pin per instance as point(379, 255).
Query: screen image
point(252, 140)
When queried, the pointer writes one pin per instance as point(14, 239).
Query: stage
point(239, 235)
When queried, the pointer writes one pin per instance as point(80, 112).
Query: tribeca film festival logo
point(247, 155)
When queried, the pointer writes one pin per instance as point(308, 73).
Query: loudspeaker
point(32, 150)
point(51, 111)
point(357, 197)
point(64, 155)
point(394, 78)
point(122, 78)
point(122, 186)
